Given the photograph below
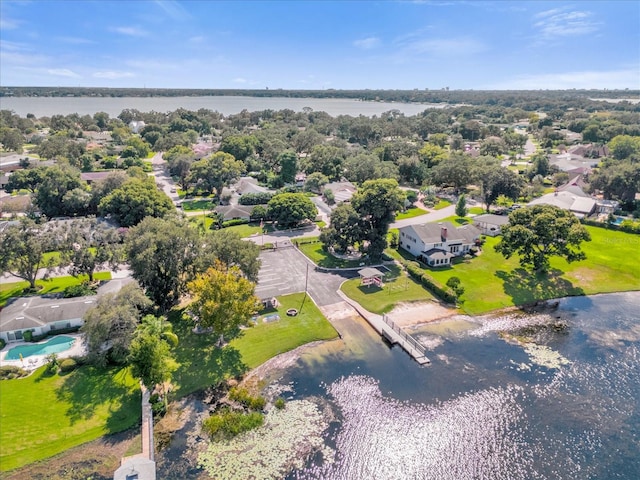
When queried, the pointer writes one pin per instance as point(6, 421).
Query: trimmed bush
point(255, 198)
point(81, 290)
point(27, 336)
point(2, 343)
point(234, 222)
point(279, 403)
point(67, 365)
point(227, 424)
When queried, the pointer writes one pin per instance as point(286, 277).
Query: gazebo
point(370, 276)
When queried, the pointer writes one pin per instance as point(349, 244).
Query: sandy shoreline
point(418, 313)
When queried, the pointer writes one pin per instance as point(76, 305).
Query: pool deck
point(35, 361)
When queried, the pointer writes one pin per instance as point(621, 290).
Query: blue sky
point(321, 44)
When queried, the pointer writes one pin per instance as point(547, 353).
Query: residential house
point(490, 224)
point(437, 243)
point(91, 177)
point(42, 315)
point(572, 199)
point(235, 212)
point(342, 191)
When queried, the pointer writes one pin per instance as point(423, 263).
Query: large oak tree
point(540, 232)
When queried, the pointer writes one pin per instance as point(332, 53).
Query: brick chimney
point(443, 233)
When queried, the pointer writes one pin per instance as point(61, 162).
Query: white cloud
point(113, 75)
point(197, 39)
point(561, 23)
point(240, 80)
point(612, 79)
point(130, 31)
point(367, 43)
point(447, 47)
point(62, 72)
point(8, 24)
point(174, 9)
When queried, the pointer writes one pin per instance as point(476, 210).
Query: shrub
point(279, 403)
point(67, 365)
point(235, 221)
point(2, 343)
point(443, 292)
point(241, 395)
point(27, 336)
point(227, 424)
point(78, 290)
point(11, 372)
point(255, 198)
point(52, 363)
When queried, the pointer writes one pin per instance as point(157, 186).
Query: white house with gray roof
point(490, 224)
point(42, 315)
point(437, 243)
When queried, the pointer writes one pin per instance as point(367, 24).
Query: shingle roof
point(492, 219)
point(32, 312)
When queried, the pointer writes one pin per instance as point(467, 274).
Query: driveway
point(286, 270)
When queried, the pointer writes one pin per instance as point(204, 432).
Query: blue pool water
point(56, 344)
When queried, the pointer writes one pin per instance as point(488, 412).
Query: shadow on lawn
point(525, 287)
point(201, 363)
point(90, 387)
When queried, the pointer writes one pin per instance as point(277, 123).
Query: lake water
point(227, 105)
point(486, 408)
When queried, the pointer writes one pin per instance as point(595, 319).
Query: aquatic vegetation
point(545, 356)
point(228, 424)
point(287, 439)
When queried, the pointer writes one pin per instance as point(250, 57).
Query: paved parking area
point(285, 271)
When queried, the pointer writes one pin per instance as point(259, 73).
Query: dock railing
point(404, 335)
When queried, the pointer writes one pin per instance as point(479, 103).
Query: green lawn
point(398, 287)
point(441, 204)
point(455, 220)
point(53, 285)
point(44, 415)
point(202, 364)
point(200, 204)
point(492, 282)
point(322, 258)
point(411, 213)
point(246, 230)
point(476, 210)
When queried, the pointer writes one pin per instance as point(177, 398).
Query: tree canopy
point(135, 200)
point(110, 324)
point(539, 232)
point(291, 208)
point(162, 256)
point(23, 247)
point(223, 299)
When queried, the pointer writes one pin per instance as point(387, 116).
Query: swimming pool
point(57, 344)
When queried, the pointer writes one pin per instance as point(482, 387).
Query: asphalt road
point(286, 270)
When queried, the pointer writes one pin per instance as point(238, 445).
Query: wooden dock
point(391, 332)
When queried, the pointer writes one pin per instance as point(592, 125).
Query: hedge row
point(441, 291)
point(255, 198)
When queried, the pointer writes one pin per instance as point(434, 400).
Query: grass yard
point(246, 230)
point(410, 213)
point(53, 285)
point(398, 287)
point(196, 205)
point(455, 220)
point(476, 210)
point(44, 415)
point(492, 282)
point(202, 364)
point(197, 221)
point(312, 248)
point(441, 204)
